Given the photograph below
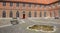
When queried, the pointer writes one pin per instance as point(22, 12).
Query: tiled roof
point(35, 1)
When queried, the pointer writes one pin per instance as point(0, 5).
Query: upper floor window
point(23, 4)
point(11, 4)
point(17, 4)
point(4, 3)
point(44, 5)
point(40, 5)
point(35, 5)
point(29, 5)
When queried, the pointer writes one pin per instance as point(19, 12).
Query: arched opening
point(4, 14)
point(35, 14)
point(44, 13)
point(17, 14)
point(40, 14)
point(30, 14)
point(11, 14)
point(23, 14)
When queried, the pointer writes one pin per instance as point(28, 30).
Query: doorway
point(23, 16)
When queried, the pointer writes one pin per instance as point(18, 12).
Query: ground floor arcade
point(27, 14)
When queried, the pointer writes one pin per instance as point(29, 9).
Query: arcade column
point(56, 13)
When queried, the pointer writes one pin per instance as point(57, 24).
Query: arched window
point(44, 13)
point(35, 14)
point(17, 14)
point(40, 14)
point(4, 14)
point(30, 14)
point(23, 12)
point(11, 14)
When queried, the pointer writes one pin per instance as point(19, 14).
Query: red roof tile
point(36, 1)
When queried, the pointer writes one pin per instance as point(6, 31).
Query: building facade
point(13, 9)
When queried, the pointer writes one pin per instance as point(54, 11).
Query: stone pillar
point(26, 14)
point(56, 13)
point(21, 14)
point(48, 14)
point(7, 13)
point(52, 13)
point(42, 13)
point(14, 13)
point(38, 13)
point(1, 13)
point(32, 12)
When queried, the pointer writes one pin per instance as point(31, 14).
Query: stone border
point(41, 30)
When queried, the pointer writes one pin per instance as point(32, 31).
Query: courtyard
point(7, 27)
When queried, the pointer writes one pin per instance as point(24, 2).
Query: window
point(17, 14)
point(23, 12)
point(41, 5)
point(4, 14)
point(53, 5)
point(11, 4)
point(4, 3)
point(40, 14)
point(30, 14)
point(29, 5)
point(11, 14)
point(35, 14)
point(23, 4)
point(17, 4)
point(44, 5)
point(44, 13)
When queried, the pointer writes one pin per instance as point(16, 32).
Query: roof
point(34, 1)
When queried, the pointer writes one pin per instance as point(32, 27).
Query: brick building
point(29, 8)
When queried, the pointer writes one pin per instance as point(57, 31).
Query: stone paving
point(4, 22)
point(55, 21)
point(22, 28)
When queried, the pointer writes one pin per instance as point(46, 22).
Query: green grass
point(42, 27)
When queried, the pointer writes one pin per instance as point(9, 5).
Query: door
point(23, 16)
